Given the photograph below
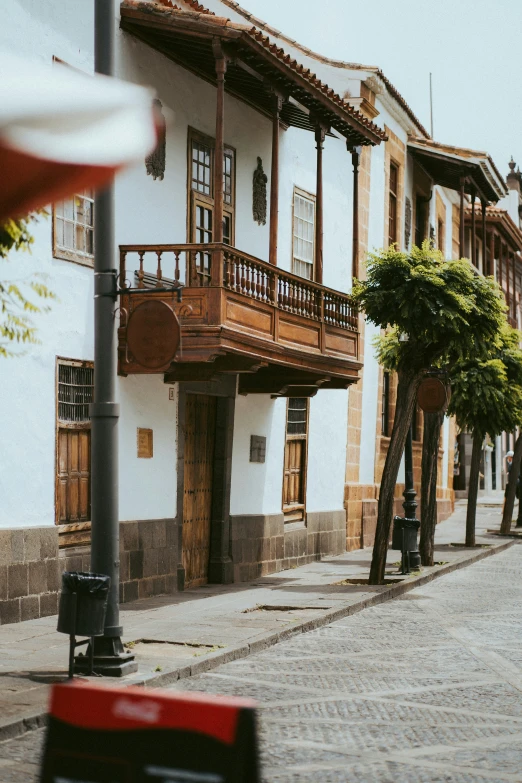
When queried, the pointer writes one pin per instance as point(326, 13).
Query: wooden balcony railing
point(219, 265)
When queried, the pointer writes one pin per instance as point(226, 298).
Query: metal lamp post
point(109, 656)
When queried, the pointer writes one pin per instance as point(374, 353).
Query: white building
point(255, 449)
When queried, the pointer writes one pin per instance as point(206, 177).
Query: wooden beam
point(461, 226)
point(355, 219)
point(484, 239)
point(508, 292)
point(492, 252)
point(473, 229)
point(221, 67)
point(500, 251)
point(320, 134)
point(514, 286)
point(274, 181)
point(230, 364)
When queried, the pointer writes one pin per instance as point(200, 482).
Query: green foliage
point(443, 309)
point(16, 303)
point(486, 392)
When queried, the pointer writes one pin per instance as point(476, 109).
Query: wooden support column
point(221, 68)
point(356, 151)
point(473, 229)
point(492, 253)
point(320, 134)
point(483, 205)
point(508, 292)
point(500, 251)
point(274, 182)
point(461, 226)
point(513, 288)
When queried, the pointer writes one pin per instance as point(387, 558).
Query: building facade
point(260, 444)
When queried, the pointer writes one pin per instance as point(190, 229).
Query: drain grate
point(274, 608)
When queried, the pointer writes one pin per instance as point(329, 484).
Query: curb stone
point(39, 720)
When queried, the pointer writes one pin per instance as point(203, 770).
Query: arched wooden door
point(200, 427)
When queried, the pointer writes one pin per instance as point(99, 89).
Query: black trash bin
point(83, 603)
point(404, 538)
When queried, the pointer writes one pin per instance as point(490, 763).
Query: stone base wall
point(264, 544)
point(29, 573)
point(31, 566)
point(148, 558)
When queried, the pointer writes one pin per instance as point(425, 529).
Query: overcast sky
point(472, 47)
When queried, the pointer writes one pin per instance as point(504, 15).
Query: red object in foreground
point(119, 735)
point(29, 183)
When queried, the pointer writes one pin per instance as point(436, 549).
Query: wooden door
point(74, 476)
point(294, 479)
point(200, 425)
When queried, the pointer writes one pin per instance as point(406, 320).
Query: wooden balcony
point(283, 334)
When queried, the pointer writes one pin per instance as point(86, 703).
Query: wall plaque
point(257, 448)
point(145, 443)
point(432, 395)
point(153, 334)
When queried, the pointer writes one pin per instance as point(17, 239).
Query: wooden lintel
point(296, 391)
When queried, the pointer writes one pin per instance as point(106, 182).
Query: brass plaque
point(153, 334)
point(432, 395)
point(145, 443)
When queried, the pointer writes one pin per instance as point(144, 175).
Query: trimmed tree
point(486, 399)
point(441, 310)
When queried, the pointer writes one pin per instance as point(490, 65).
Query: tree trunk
point(474, 475)
point(406, 398)
point(430, 453)
point(511, 488)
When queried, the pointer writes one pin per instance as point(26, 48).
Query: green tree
point(439, 310)
point(486, 399)
point(17, 304)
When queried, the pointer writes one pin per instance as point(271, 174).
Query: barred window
point(297, 416)
point(75, 392)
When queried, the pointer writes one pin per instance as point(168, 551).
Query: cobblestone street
point(425, 688)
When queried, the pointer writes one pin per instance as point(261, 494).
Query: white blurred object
point(90, 126)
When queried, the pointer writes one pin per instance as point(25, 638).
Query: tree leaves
point(445, 309)
point(16, 307)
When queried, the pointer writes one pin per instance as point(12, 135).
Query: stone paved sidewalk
point(179, 636)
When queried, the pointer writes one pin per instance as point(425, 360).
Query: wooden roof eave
point(512, 235)
point(462, 167)
point(134, 20)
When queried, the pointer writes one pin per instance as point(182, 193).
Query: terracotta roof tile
point(329, 61)
point(267, 44)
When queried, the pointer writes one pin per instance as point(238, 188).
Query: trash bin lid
point(86, 583)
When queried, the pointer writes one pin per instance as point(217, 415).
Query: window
point(294, 478)
point(201, 196)
point(73, 228)
point(440, 235)
point(385, 405)
point(303, 235)
point(393, 198)
point(75, 381)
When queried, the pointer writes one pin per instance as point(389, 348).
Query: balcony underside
point(281, 340)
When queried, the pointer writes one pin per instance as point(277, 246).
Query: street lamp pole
point(110, 659)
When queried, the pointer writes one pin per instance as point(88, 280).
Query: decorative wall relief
point(155, 162)
point(407, 223)
point(259, 194)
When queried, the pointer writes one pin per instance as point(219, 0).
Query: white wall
point(147, 486)
point(257, 488)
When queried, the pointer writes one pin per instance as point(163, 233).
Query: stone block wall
point(148, 558)
point(263, 544)
point(29, 573)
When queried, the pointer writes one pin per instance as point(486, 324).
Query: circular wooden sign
point(153, 334)
point(432, 395)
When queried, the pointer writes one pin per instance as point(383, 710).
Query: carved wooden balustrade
point(238, 306)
